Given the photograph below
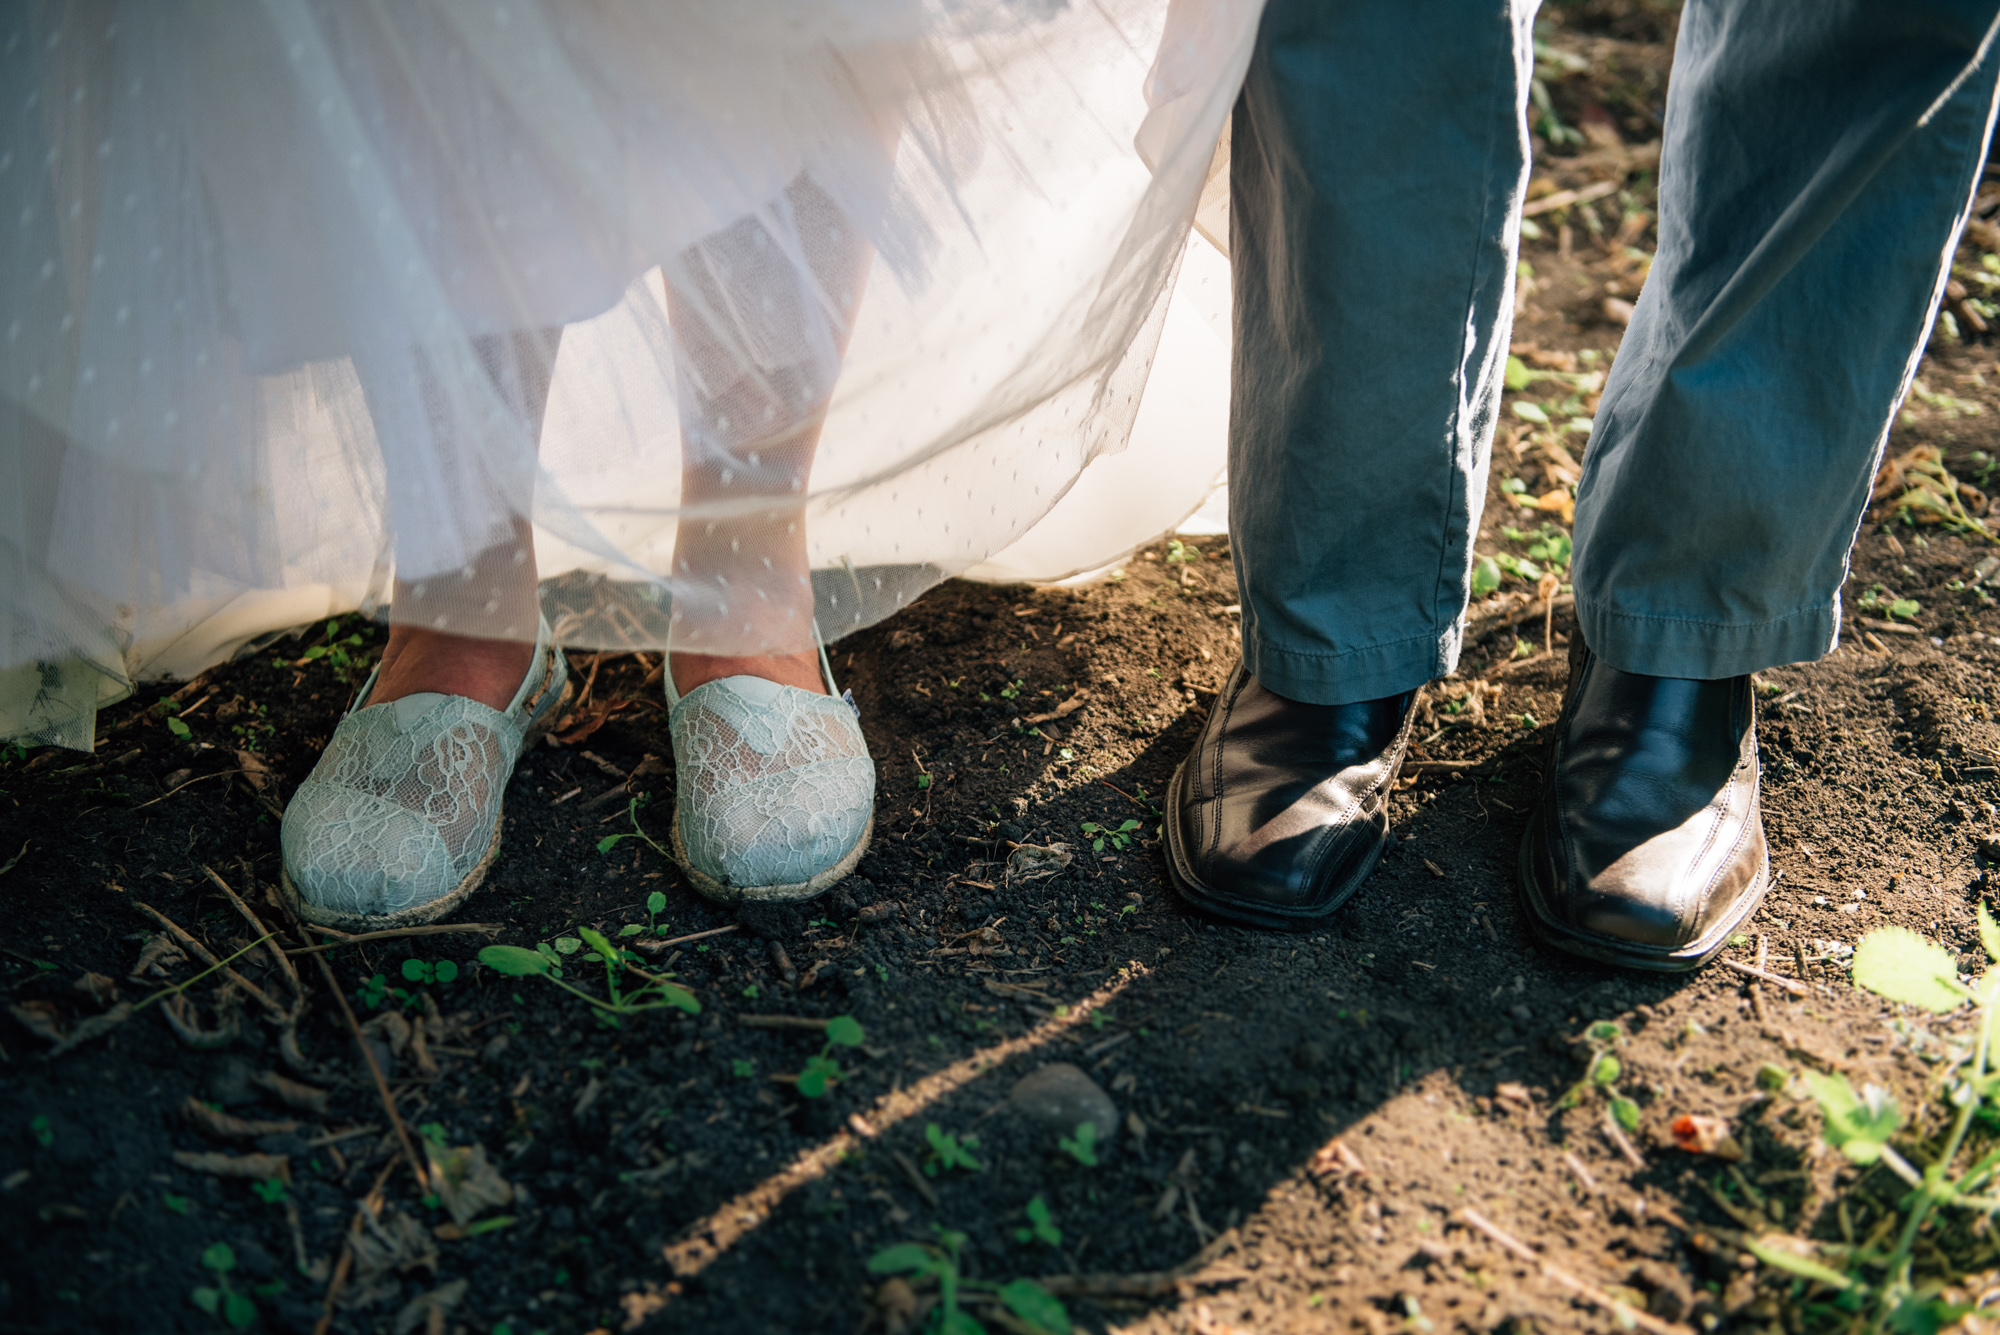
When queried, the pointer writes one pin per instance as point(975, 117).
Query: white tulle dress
point(303, 297)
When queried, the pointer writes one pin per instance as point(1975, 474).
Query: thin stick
point(657, 946)
point(391, 934)
point(257, 925)
point(1790, 985)
point(219, 774)
point(198, 948)
point(381, 1082)
point(781, 1022)
point(1756, 985)
point(1616, 1135)
point(1582, 1174)
point(1590, 1293)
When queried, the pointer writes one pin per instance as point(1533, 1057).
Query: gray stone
point(1059, 1096)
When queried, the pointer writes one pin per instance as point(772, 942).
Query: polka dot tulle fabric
point(717, 319)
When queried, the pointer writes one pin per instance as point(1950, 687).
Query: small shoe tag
point(848, 696)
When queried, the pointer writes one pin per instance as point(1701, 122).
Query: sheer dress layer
point(280, 283)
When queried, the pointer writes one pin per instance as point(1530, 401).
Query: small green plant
point(1031, 1308)
point(1485, 576)
point(338, 650)
point(923, 782)
point(180, 730)
point(423, 971)
point(1011, 690)
point(657, 991)
point(1600, 1076)
point(1518, 567)
point(220, 1299)
point(268, 1190)
point(743, 1068)
point(611, 841)
point(842, 1031)
point(39, 1128)
point(1041, 1226)
point(656, 904)
point(949, 1152)
point(1180, 554)
point(1119, 837)
point(1082, 1146)
point(176, 1204)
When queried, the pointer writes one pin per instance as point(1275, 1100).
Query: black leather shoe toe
point(1283, 808)
point(1648, 847)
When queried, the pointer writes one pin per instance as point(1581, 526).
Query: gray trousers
point(1818, 162)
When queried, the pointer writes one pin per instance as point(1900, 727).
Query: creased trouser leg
point(1377, 164)
point(1818, 163)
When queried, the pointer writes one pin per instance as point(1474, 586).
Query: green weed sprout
point(423, 971)
point(1031, 1308)
point(1082, 1146)
point(39, 1128)
point(656, 993)
point(1041, 1226)
point(1601, 1076)
point(1120, 837)
point(656, 904)
point(842, 1031)
point(949, 1151)
point(220, 1299)
point(611, 841)
point(1879, 1289)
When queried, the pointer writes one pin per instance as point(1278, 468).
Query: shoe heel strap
point(825, 667)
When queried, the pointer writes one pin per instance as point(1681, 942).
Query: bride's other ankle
point(800, 670)
point(418, 660)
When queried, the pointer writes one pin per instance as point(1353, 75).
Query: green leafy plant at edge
point(1601, 1075)
point(611, 841)
point(656, 904)
point(657, 991)
point(1119, 836)
point(1897, 963)
point(1033, 1308)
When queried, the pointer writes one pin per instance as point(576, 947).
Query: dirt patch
point(1300, 1119)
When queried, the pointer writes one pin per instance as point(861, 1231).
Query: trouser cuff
point(1705, 650)
point(1353, 675)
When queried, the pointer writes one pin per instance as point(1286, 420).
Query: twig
point(374, 1069)
point(1128, 797)
point(1563, 199)
point(1790, 985)
point(1756, 986)
point(257, 925)
point(171, 792)
point(1582, 1174)
point(782, 1022)
point(390, 934)
point(1590, 1293)
point(198, 948)
point(657, 946)
point(10, 863)
point(904, 1162)
point(1616, 1135)
point(1443, 766)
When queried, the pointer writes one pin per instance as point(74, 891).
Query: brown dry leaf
point(1916, 486)
point(186, 1024)
point(158, 952)
point(392, 1029)
point(418, 1311)
point(896, 1304)
point(43, 1019)
point(217, 1164)
point(225, 1126)
point(1558, 502)
point(98, 988)
point(388, 1244)
point(292, 1093)
point(1513, 1093)
point(1063, 710)
point(1032, 862)
point(1698, 1134)
point(465, 1181)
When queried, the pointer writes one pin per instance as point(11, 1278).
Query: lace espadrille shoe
point(400, 819)
point(774, 788)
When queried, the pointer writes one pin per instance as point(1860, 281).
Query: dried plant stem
point(391, 934)
point(257, 924)
point(181, 935)
point(375, 1069)
point(1590, 1293)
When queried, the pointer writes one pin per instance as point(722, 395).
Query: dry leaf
point(465, 1181)
point(1336, 1160)
point(291, 1093)
point(224, 1126)
point(1032, 862)
point(1698, 1134)
point(217, 1164)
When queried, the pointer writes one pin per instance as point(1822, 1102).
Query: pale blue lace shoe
point(400, 819)
point(774, 789)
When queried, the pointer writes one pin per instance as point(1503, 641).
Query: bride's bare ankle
point(417, 660)
point(800, 670)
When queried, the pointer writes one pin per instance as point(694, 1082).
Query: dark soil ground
point(1300, 1118)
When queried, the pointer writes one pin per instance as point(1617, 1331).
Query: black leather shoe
point(1648, 847)
point(1283, 808)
